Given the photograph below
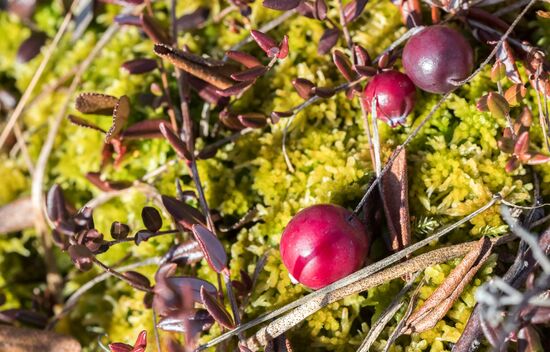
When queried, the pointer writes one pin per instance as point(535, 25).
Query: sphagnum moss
point(455, 167)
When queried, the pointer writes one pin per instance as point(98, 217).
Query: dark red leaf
point(212, 248)
point(353, 10)
point(512, 164)
point(538, 159)
point(198, 321)
point(55, 204)
point(324, 92)
point(151, 219)
point(304, 87)
point(277, 115)
point(83, 123)
point(522, 144)
point(183, 213)
point(281, 5)
point(283, 48)
point(362, 56)
point(119, 231)
point(176, 143)
point(207, 92)
point(121, 113)
point(139, 66)
point(243, 58)
point(31, 46)
point(253, 120)
point(384, 60)
point(320, 9)
point(265, 42)
point(144, 129)
point(142, 236)
point(81, 256)
point(235, 89)
point(343, 64)
point(217, 310)
point(365, 71)
point(154, 29)
point(249, 74)
point(120, 347)
point(137, 278)
point(193, 20)
point(306, 9)
point(96, 103)
point(328, 40)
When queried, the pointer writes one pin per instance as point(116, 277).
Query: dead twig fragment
point(443, 298)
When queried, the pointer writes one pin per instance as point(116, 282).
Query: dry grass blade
point(395, 197)
point(315, 303)
point(16, 339)
point(442, 299)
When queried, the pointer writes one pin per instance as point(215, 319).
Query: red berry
point(322, 244)
point(395, 95)
point(437, 56)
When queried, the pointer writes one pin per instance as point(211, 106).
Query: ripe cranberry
point(395, 95)
point(322, 244)
point(437, 56)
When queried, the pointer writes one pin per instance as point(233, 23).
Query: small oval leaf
point(303, 87)
point(139, 66)
point(212, 248)
point(243, 58)
point(151, 219)
point(281, 5)
point(328, 40)
point(265, 42)
point(183, 213)
point(249, 74)
point(119, 231)
point(81, 256)
point(218, 312)
point(176, 143)
point(253, 120)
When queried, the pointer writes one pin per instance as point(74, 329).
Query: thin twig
point(38, 73)
point(119, 276)
point(421, 262)
point(358, 275)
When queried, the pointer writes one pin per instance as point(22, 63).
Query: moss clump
point(454, 166)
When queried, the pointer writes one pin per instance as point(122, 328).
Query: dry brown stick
point(38, 73)
point(16, 339)
point(14, 216)
point(23, 148)
point(421, 262)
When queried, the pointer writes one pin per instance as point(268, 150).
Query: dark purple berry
point(395, 96)
point(436, 57)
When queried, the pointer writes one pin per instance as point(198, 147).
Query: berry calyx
point(322, 244)
point(395, 96)
point(436, 57)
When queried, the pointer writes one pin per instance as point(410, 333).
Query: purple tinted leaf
point(207, 92)
point(106, 185)
point(281, 5)
point(362, 56)
point(343, 64)
point(183, 213)
point(246, 279)
point(55, 204)
point(218, 312)
point(119, 231)
point(139, 66)
point(328, 40)
point(184, 253)
point(143, 236)
point(198, 321)
point(137, 278)
point(120, 347)
point(154, 29)
point(235, 89)
point(365, 71)
point(230, 120)
point(253, 120)
point(24, 316)
point(212, 248)
point(304, 87)
point(96, 103)
point(306, 9)
point(93, 239)
point(324, 92)
point(151, 219)
point(522, 144)
point(128, 20)
point(30, 47)
point(83, 123)
point(249, 74)
point(176, 143)
point(121, 113)
point(320, 9)
point(512, 164)
point(283, 48)
point(538, 159)
point(277, 115)
point(506, 56)
point(353, 10)
point(193, 20)
point(243, 58)
point(81, 256)
point(384, 60)
point(265, 42)
point(144, 129)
